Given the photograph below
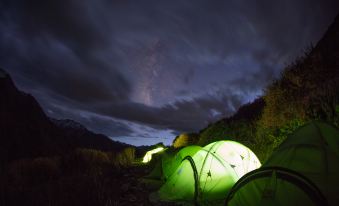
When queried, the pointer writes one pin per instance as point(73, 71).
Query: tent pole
point(196, 179)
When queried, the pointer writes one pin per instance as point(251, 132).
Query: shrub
point(185, 139)
point(34, 171)
point(124, 158)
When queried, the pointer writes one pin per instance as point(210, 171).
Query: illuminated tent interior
point(303, 170)
point(148, 155)
point(208, 174)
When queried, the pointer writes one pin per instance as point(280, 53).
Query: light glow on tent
point(148, 155)
point(218, 166)
point(236, 155)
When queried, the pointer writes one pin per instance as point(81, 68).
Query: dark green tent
point(303, 170)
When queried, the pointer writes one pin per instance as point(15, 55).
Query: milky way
point(145, 71)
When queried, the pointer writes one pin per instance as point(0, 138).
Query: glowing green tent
point(169, 161)
point(169, 165)
point(206, 176)
point(303, 170)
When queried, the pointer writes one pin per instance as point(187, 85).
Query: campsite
point(169, 103)
point(302, 170)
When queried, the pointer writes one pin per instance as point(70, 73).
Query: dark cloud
point(184, 115)
point(72, 22)
point(165, 65)
point(68, 76)
point(108, 126)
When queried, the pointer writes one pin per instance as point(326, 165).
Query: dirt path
point(132, 190)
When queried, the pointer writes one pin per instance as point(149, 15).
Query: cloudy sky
point(143, 71)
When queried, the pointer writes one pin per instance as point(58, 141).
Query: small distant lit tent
point(148, 155)
point(207, 176)
point(303, 170)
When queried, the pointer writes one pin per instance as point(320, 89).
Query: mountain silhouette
point(26, 131)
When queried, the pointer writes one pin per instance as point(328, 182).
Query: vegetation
point(308, 89)
point(82, 177)
point(185, 139)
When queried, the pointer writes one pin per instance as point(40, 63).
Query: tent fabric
point(170, 164)
point(168, 161)
point(271, 184)
point(312, 152)
point(218, 166)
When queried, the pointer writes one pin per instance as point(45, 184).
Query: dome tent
point(170, 164)
point(303, 170)
point(167, 162)
point(207, 176)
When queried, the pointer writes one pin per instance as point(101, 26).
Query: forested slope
point(307, 89)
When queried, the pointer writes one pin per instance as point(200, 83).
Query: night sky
point(144, 71)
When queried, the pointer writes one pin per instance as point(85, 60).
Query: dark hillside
point(25, 130)
point(79, 136)
point(248, 112)
point(240, 127)
point(307, 89)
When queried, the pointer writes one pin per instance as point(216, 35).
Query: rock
point(131, 198)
